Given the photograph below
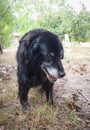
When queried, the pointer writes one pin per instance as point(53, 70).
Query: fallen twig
point(83, 94)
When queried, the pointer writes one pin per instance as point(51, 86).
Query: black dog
point(39, 62)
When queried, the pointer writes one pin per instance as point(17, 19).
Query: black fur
point(39, 54)
point(1, 49)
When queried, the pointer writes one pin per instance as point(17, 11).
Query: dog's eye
point(51, 54)
point(49, 58)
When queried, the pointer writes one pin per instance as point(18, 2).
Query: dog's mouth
point(49, 76)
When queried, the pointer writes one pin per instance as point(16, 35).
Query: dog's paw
point(26, 106)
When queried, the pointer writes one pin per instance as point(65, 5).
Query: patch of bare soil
point(71, 96)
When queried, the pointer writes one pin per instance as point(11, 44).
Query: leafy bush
point(6, 26)
point(58, 17)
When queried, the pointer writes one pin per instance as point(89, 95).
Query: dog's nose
point(62, 74)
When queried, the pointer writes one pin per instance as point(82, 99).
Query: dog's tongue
point(52, 78)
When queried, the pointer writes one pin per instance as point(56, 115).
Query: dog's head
point(46, 51)
point(52, 53)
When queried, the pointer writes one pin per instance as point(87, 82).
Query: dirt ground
point(71, 96)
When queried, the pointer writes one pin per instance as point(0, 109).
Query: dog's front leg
point(49, 94)
point(23, 95)
point(48, 87)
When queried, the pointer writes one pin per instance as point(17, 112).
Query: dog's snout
point(62, 74)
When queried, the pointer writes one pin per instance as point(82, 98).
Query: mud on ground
point(71, 96)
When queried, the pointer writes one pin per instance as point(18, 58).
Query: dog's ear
point(23, 51)
point(28, 45)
